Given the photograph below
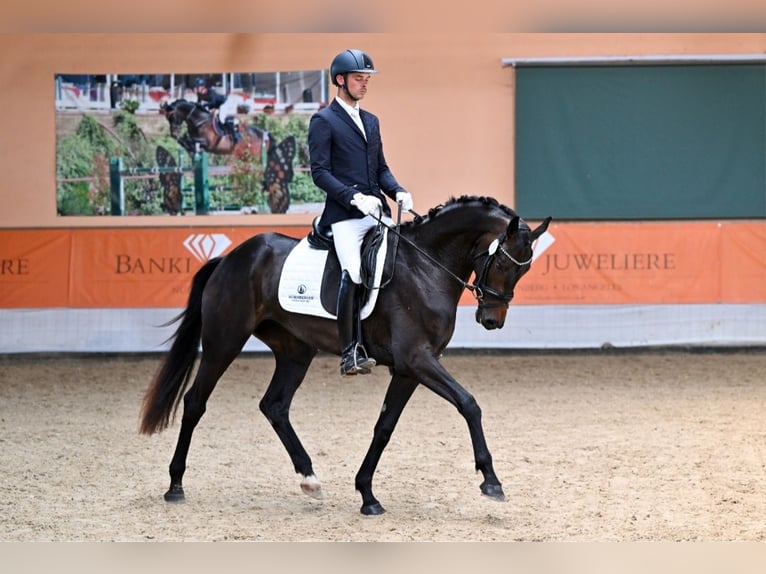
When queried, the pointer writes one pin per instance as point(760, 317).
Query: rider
point(212, 100)
point(347, 163)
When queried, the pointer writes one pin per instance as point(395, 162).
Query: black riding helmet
point(351, 61)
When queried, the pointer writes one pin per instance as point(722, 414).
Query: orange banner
point(647, 263)
point(34, 268)
point(626, 263)
point(742, 263)
point(147, 267)
point(576, 263)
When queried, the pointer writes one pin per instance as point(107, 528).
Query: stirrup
point(356, 362)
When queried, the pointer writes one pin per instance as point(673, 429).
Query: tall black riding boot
point(354, 360)
point(234, 131)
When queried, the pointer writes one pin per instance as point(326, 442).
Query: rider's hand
point(367, 204)
point(404, 198)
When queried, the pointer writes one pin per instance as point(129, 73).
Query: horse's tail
point(164, 393)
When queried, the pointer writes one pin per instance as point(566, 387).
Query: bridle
point(479, 287)
point(177, 124)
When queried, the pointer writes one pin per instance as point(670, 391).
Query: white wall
point(527, 327)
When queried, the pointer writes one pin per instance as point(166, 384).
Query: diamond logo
point(205, 246)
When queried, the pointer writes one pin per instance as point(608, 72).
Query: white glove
point(405, 199)
point(367, 204)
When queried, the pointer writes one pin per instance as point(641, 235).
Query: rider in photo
point(211, 100)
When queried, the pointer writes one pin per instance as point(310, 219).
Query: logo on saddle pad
point(310, 277)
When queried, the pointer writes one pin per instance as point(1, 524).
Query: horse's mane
point(457, 202)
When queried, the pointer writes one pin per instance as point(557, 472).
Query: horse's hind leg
point(293, 358)
point(195, 400)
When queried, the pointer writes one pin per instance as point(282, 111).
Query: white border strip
point(667, 59)
point(526, 327)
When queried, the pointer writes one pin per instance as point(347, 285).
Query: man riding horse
point(212, 100)
point(347, 163)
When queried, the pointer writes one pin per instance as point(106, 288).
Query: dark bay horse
point(235, 296)
point(202, 130)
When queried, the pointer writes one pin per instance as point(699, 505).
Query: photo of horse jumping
point(202, 132)
point(203, 135)
point(235, 296)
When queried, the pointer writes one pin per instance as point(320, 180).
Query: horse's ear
point(542, 228)
point(513, 227)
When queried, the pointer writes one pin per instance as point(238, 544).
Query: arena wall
point(446, 105)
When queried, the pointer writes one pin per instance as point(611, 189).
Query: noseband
point(480, 287)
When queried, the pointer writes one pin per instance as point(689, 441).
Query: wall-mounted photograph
point(178, 144)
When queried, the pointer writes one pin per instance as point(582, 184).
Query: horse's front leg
point(399, 392)
point(186, 142)
point(437, 378)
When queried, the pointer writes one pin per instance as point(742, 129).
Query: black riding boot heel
point(354, 360)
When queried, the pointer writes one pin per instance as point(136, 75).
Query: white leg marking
point(310, 485)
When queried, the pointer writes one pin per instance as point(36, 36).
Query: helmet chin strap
point(345, 89)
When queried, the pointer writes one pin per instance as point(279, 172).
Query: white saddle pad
point(301, 281)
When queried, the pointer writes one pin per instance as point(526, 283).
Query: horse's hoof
point(175, 494)
point(493, 491)
point(373, 509)
point(311, 486)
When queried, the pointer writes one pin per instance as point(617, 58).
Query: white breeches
point(347, 237)
point(228, 108)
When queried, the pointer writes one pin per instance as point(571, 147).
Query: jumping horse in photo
point(432, 259)
point(203, 131)
point(204, 134)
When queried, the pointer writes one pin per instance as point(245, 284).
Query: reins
point(395, 231)
point(476, 288)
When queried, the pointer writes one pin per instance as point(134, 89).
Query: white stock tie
point(354, 113)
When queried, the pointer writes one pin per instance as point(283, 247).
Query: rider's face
point(356, 84)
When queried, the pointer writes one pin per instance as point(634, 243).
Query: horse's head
point(500, 267)
point(177, 113)
point(170, 111)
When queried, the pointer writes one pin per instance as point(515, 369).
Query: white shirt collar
point(352, 110)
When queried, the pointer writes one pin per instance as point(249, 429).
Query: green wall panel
point(641, 142)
